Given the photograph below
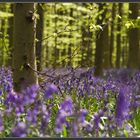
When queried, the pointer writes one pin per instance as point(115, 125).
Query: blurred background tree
point(104, 35)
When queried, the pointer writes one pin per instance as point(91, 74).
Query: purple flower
point(50, 90)
point(32, 116)
point(45, 118)
point(65, 110)
point(0, 92)
point(67, 106)
point(82, 116)
point(122, 105)
point(19, 130)
point(30, 94)
point(11, 98)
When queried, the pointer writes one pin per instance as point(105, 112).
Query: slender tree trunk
point(10, 33)
point(39, 36)
point(101, 41)
point(133, 35)
point(24, 46)
point(118, 52)
point(63, 54)
point(112, 33)
point(86, 44)
point(56, 50)
point(2, 39)
point(106, 51)
point(83, 46)
point(70, 36)
point(89, 55)
point(2, 42)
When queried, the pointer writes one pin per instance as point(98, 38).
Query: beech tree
point(133, 35)
point(39, 36)
point(102, 43)
point(118, 52)
point(24, 60)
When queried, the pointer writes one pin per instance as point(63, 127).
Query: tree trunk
point(118, 52)
point(133, 35)
point(56, 50)
point(83, 46)
point(112, 33)
point(100, 55)
point(86, 44)
point(10, 33)
point(24, 46)
point(106, 51)
point(39, 36)
point(70, 36)
point(2, 38)
point(2, 42)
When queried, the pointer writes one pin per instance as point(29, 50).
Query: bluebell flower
point(50, 90)
point(75, 130)
point(11, 98)
point(122, 105)
point(82, 116)
point(44, 118)
point(32, 116)
point(65, 110)
point(30, 94)
point(0, 92)
point(19, 130)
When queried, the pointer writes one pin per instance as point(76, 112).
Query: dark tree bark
point(102, 46)
point(118, 52)
point(2, 38)
point(2, 42)
point(83, 46)
point(10, 33)
point(86, 44)
point(24, 46)
point(112, 33)
point(39, 36)
point(56, 50)
point(106, 51)
point(133, 35)
point(70, 36)
point(63, 53)
point(89, 56)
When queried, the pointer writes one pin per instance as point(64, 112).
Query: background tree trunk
point(112, 33)
point(106, 52)
point(56, 50)
point(100, 44)
point(10, 33)
point(2, 42)
point(133, 35)
point(39, 36)
point(70, 37)
point(24, 46)
point(118, 52)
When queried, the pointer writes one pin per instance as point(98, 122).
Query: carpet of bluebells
point(72, 104)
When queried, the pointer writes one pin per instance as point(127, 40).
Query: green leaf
point(64, 132)
point(118, 16)
point(129, 24)
point(5, 14)
point(99, 27)
point(125, 133)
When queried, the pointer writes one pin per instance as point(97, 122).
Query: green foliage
point(137, 120)
point(5, 14)
point(64, 30)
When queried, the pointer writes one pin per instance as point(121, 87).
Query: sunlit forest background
point(67, 34)
point(69, 69)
